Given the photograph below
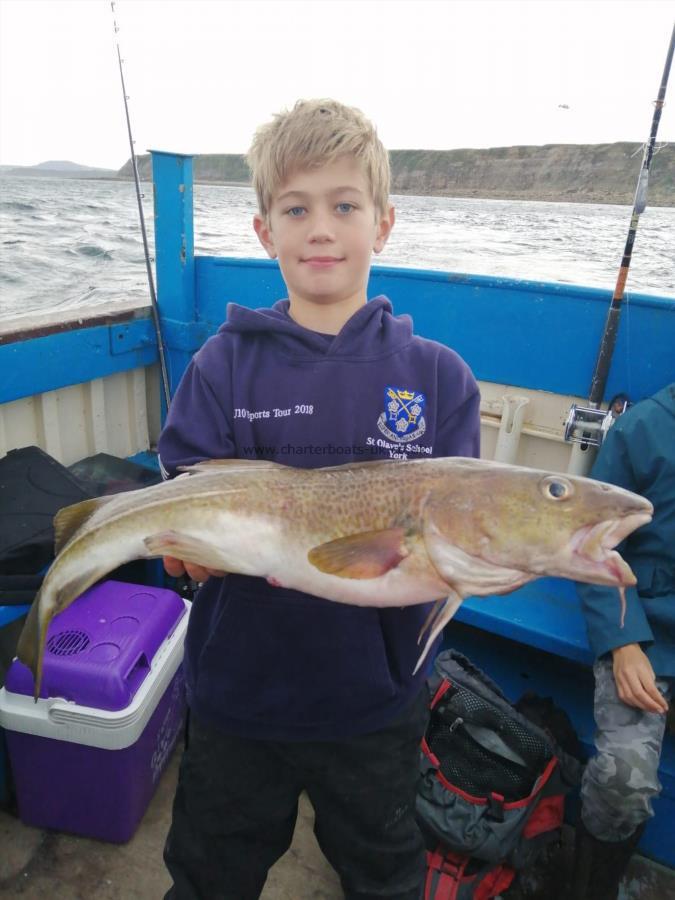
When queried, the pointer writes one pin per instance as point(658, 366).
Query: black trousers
point(237, 800)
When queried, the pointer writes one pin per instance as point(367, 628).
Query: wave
point(93, 250)
point(80, 238)
point(17, 206)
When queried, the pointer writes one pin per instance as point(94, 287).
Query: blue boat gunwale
point(36, 365)
point(27, 327)
point(47, 356)
point(442, 276)
point(526, 334)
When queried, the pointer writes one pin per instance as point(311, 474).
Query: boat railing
point(78, 382)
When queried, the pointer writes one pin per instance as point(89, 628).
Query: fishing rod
point(612, 323)
point(148, 262)
point(586, 425)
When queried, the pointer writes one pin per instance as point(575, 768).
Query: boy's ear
point(384, 226)
point(262, 229)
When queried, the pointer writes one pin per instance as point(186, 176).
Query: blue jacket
point(639, 454)
point(263, 661)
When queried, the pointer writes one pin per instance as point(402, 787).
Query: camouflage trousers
point(621, 780)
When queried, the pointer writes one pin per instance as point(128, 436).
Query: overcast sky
point(435, 75)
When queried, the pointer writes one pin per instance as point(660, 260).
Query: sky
point(432, 74)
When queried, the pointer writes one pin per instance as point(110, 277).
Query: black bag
point(33, 487)
point(492, 786)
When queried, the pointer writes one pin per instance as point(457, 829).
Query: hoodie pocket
point(289, 658)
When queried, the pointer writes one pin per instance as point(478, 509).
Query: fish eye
point(557, 488)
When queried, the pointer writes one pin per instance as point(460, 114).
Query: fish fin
point(27, 649)
point(366, 555)
point(183, 547)
point(208, 465)
point(435, 609)
point(71, 518)
point(438, 620)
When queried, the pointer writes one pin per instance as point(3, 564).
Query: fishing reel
point(587, 425)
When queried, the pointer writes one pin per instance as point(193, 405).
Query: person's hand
point(176, 568)
point(635, 679)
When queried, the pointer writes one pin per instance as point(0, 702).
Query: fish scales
point(346, 503)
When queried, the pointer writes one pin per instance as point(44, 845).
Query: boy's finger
point(174, 567)
point(655, 695)
point(196, 573)
point(631, 692)
point(637, 696)
point(200, 573)
point(639, 700)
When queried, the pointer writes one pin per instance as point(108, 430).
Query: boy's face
point(323, 228)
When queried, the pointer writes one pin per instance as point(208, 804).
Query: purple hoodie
point(266, 662)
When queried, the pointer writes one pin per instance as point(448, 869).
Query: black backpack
point(492, 785)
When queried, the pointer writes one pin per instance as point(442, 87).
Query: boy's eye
point(295, 211)
point(345, 207)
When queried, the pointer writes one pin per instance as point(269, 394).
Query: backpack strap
point(444, 875)
point(446, 878)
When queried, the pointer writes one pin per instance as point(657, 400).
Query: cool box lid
point(100, 649)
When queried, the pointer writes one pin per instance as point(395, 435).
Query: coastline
point(571, 196)
point(553, 173)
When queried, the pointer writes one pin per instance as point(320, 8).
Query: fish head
point(538, 523)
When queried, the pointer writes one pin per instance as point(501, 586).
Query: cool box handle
point(137, 671)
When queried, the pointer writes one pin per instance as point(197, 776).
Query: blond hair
point(312, 134)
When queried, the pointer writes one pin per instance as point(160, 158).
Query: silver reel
point(586, 425)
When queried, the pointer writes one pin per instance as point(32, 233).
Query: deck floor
point(35, 864)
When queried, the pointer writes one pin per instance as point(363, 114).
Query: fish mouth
point(593, 549)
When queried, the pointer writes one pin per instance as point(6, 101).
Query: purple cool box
point(87, 757)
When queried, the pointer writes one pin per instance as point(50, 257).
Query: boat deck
point(35, 864)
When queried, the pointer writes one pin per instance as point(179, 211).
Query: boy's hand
point(176, 568)
point(635, 680)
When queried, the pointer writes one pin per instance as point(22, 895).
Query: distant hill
point(61, 168)
point(220, 168)
point(62, 165)
point(579, 173)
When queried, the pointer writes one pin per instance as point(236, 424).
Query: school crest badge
point(403, 417)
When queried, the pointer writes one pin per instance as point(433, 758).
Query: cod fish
point(382, 533)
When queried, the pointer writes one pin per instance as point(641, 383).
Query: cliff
point(579, 173)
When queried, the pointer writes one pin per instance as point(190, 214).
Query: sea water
point(68, 243)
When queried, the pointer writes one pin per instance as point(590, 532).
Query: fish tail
point(31, 646)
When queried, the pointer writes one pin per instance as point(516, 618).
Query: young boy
point(289, 692)
point(635, 669)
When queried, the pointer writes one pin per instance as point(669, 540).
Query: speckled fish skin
point(389, 533)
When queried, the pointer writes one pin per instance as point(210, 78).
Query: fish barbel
point(383, 533)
